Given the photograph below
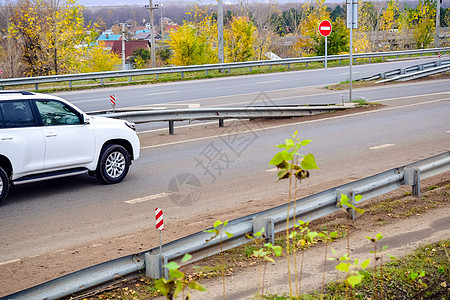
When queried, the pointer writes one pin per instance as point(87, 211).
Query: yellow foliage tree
point(239, 40)
point(50, 32)
point(190, 47)
point(314, 14)
point(98, 59)
point(390, 16)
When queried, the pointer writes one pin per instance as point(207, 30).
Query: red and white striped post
point(112, 99)
point(159, 218)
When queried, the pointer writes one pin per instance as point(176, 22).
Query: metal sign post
point(352, 22)
point(325, 30)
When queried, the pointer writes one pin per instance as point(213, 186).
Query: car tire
point(113, 164)
point(4, 185)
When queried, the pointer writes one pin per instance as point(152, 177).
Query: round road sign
point(325, 28)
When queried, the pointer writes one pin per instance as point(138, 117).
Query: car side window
point(17, 114)
point(57, 113)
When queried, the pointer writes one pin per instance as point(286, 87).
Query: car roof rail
point(18, 92)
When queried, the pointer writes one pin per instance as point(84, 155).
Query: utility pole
point(152, 30)
point(123, 45)
point(438, 24)
point(162, 23)
point(220, 29)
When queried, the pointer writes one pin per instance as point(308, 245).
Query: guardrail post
point(70, 83)
point(221, 123)
point(182, 74)
point(383, 58)
point(101, 81)
point(153, 265)
point(250, 69)
point(402, 71)
point(206, 72)
point(289, 66)
point(171, 128)
point(36, 87)
point(351, 199)
point(306, 64)
point(260, 223)
point(129, 79)
point(412, 177)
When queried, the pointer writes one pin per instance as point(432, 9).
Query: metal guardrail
point(172, 115)
point(226, 66)
point(405, 71)
point(418, 74)
point(273, 220)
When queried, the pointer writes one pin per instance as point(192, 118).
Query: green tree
point(239, 40)
point(141, 57)
point(338, 40)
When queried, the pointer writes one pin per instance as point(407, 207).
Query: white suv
point(44, 137)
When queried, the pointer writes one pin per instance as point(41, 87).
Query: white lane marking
point(9, 262)
point(268, 81)
point(413, 96)
point(92, 100)
point(381, 146)
point(147, 198)
point(294, 124)
point(162, 93)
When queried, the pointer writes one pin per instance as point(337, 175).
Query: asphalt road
point(228, 168)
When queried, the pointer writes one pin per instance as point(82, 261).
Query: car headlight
point(130, 125)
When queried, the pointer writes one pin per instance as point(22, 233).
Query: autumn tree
point(191, 47)
point(239, 39)
point(422, 21)
point(50, 32)
point(10, 50)
point(312, 42)
point(98, 59)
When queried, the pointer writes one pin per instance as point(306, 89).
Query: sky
point(146, 2)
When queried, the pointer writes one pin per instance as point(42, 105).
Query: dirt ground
point(405, 222)
point(434, 206)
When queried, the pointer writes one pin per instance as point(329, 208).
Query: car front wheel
point(113, 164)
point(4, 185)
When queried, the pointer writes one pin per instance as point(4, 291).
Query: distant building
point(130, 46)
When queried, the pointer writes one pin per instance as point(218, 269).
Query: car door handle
point(50, 134)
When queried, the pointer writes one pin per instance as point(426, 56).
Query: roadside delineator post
point(153, 262)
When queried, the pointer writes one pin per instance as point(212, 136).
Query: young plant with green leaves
point(265, 253)
point(326, 237)
point(177, 281)
point(287, 162)
point(378, 277)
point(219, 227)
point(302, 237)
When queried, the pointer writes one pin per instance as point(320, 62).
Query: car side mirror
point(85, 120)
